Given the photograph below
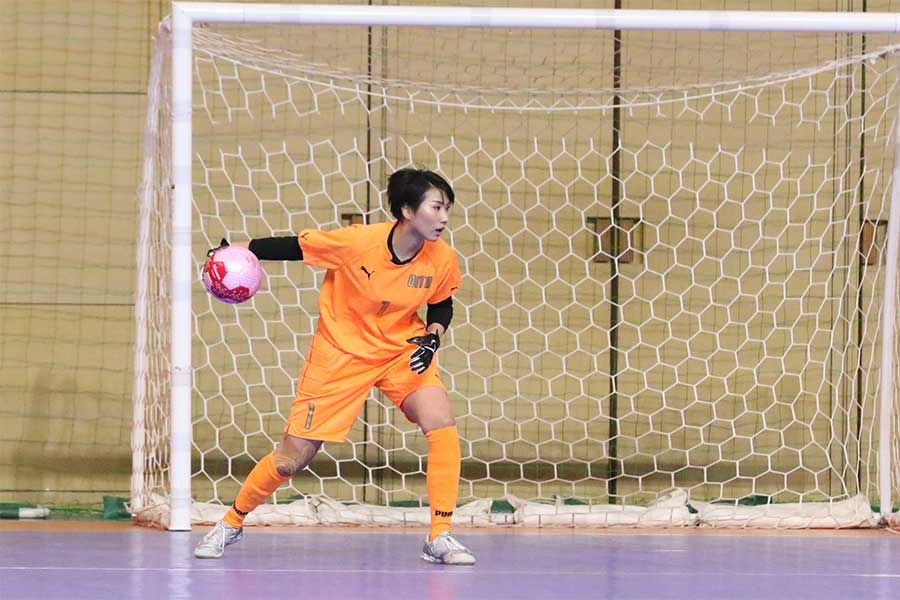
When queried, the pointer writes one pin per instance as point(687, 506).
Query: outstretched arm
point(276, 248)
point(271, 248)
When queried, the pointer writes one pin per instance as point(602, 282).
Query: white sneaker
point(213, 543)
point(446, 550)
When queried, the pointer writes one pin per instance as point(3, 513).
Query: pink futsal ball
point(232, 274)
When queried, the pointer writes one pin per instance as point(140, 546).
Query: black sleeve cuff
point(441, 313)
point(277, 248)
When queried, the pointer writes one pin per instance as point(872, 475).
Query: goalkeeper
point(370, 334)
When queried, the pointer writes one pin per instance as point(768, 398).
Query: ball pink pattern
point(232, 274)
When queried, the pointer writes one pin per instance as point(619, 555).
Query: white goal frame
point(185, 15)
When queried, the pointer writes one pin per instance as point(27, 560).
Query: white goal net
point(673, 249)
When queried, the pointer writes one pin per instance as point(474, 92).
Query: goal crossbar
point(418, 16)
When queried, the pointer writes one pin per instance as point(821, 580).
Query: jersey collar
point(394, 258)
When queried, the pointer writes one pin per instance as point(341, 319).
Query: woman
point(370, 334)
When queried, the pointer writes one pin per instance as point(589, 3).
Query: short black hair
point(407, 187)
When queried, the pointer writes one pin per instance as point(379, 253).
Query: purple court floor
point(47, 564)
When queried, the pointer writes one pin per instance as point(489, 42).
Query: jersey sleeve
point(450, 282)
point(329, 249)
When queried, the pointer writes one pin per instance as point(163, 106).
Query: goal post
point(680, 291)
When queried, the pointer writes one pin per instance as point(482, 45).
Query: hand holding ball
point(232, 274)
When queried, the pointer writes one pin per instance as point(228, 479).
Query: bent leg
point(293, 454)
point(430, 408)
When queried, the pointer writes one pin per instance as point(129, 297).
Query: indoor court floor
point(50, 560)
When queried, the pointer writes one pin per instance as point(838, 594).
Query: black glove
point(222, 244)
point(427, 346)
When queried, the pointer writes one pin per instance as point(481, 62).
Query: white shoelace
point(218, 536)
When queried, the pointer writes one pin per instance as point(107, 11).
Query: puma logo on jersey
point(443, 513)
point(419, 281)
point(366, 271)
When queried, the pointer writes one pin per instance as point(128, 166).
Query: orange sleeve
point(450, 282)
point(329, 249)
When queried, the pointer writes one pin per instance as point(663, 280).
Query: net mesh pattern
point(668, 283)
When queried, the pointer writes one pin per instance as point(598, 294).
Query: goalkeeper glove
point(427, 346)
point(222, 244)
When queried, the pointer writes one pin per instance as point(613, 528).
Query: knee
point(437, 421)
point(286, 466)
point(429, 408)
point(293, 455)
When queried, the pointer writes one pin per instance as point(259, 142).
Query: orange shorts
point(333, 387)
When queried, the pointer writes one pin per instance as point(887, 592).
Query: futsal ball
point(232, 274)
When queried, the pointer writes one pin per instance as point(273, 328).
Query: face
point(432, 216)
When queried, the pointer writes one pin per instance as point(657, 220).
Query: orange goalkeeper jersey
point(369, 303)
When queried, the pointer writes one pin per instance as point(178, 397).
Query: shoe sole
point(436, 561)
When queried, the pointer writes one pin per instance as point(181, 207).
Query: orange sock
point(442, 476)
point(262, 481)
